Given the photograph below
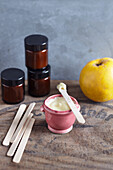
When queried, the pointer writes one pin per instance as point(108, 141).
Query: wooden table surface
point(88, 146)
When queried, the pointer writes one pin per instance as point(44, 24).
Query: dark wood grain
point(88, 146)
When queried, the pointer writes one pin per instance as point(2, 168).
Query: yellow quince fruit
point(96, 80)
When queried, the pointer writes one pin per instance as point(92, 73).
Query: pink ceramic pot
point(59, 121)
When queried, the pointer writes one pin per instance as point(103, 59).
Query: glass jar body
point(13, 94)
point(36, 59)
point(38, 87)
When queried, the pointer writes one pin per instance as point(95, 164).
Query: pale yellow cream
point(58, 103)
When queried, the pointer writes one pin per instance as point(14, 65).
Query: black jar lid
point(39, 73)
point(12, 77)
point(36, 42)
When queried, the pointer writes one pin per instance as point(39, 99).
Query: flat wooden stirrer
point(23, 142)
point(62, 89)
point(14, 145)
point(27, 113)
point(14, 124)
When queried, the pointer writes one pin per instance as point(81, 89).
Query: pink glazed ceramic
point(59, 121)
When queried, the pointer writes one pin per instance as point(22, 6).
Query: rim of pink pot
point(55, 111)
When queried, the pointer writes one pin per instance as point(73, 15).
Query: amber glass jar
point(39, 81)
point(13, 87)
point(36, 51)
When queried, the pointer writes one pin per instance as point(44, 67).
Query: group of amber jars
point(36, 59)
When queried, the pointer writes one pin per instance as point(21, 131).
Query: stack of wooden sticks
point(19, 132)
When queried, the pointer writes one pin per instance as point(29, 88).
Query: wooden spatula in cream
point(62, 89)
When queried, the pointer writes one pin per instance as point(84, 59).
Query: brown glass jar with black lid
point(36, 51)
point(39, 81)
point(12, 84)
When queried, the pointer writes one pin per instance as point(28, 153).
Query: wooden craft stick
point(14, 124)
point(62, 89)
point(14, 145)
point(27, 113)
point(23, 142)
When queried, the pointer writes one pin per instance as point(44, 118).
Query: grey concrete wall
point(78, 31)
